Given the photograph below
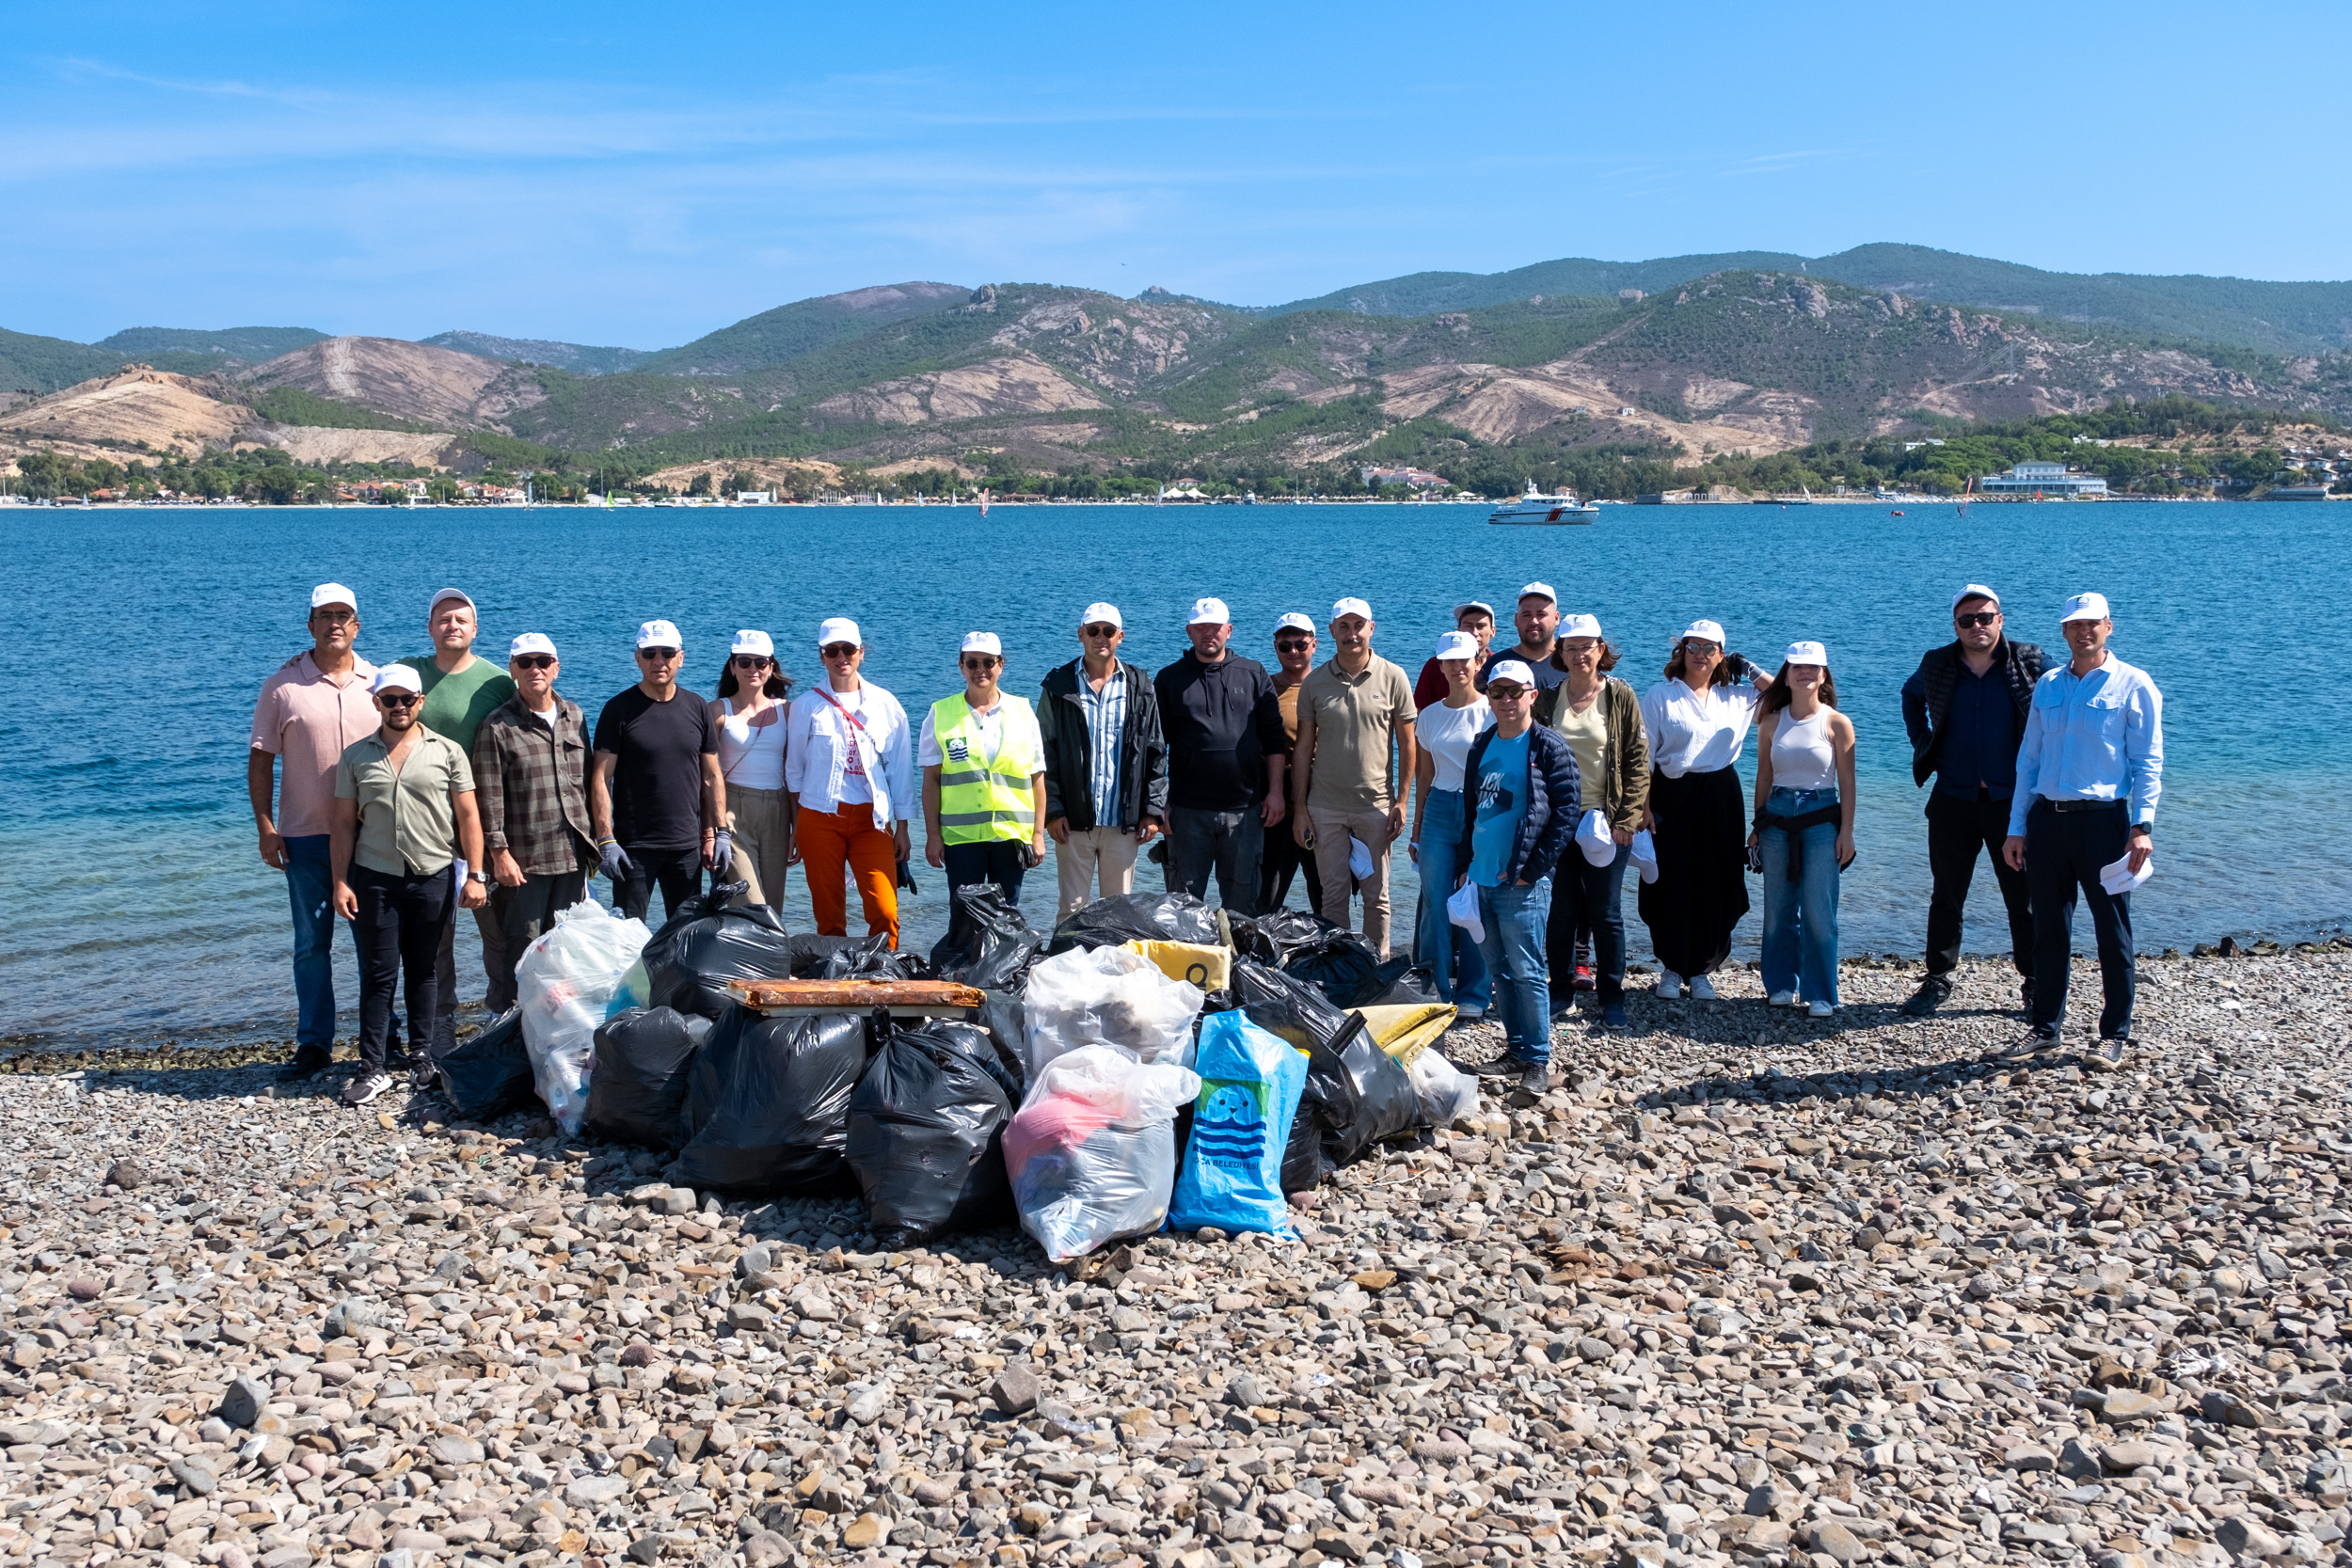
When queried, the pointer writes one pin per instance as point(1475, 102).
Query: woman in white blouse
point(1446, 731)
point(749, 713)
point(849, 767)
point(1696, 720)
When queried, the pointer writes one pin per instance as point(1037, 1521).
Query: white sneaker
point(1781, 999)
point(1822, 1009)
point(1669, 986)
point(1702, 988)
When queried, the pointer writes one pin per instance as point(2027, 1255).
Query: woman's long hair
point(1776, 696)
point(776, 685)
point(1674, 668)
point(1608, 658)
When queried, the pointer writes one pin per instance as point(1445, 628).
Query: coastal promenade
point(1740, 1289)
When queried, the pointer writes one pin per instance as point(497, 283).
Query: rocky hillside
point(438, 388)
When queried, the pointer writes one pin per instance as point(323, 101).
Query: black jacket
point(1552, 812)
point(1928, 695)
point(1061, 723)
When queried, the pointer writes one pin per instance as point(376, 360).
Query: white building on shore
point(2042, 478)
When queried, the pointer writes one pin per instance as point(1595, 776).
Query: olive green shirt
point(455, 705)
point(406, 824)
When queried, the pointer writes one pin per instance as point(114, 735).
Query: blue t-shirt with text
point(1502, 797)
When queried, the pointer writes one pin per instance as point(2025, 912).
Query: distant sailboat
point(984, 503)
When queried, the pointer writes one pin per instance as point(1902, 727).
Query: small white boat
point(1533, 508)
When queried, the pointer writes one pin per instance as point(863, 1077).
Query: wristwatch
point(477, 876)
point(2139, 829)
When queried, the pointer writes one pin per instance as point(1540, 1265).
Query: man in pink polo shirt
point(317, 704)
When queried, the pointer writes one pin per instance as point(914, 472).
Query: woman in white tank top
point(750, 714)
point(1805, 800)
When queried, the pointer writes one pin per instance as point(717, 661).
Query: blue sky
point(639, 175)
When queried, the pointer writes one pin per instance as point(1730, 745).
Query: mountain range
point(1750, 351)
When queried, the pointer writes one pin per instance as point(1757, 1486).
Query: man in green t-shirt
point(460, 691)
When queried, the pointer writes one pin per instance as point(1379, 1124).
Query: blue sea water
point(138, 907)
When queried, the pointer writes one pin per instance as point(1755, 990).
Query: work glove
point(614, 860)
point(721, 854)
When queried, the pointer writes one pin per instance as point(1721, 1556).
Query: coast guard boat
point(1533, 508)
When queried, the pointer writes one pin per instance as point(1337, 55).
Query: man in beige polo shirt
point(1350, 768)
point(311, 708)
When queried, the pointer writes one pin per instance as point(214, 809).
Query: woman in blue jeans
point(1804, 799)
point(1445, 733)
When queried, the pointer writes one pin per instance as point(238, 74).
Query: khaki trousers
point(1332, 828)
point(1109, 851)
point(761, 823)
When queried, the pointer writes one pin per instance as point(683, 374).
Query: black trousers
point(1957, 830)
point(2064, 851)
point(997, 860)
point(398, 933)
point(1588, 906)
point(1702, 887)
point(1279, 859)
point(524, 915)
point(678, 871)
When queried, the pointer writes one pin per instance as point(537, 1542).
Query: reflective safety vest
point(979, 802)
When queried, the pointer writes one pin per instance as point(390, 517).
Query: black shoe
point(1497, 1067)
point(1933, 993)
point(1612, 1016)
point(1535, 1077)
point(308, 1064)
point(2044, 1036)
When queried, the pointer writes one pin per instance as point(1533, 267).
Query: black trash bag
point(637, 1088)
point(1217, 1002)
point(1401, 983)
point(1139, 917)
point(490, 1074)
point(1000, 947)
point(809, 952)
point(1273, 937)
point(705, 944)
point(1007, 1023)
point(1287, 1006)
point(926, 1135)
point(872, 960)
point(768, 1104)
point(1340, 962)
point(1357, 1094)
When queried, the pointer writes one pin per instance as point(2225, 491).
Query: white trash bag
point(564, 981)
point(1092, 1150)
point(1447, 1094)
point(1107, 997)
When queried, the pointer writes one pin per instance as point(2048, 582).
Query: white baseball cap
point(531, 642)
point(396, 677)
point(1210, 613)
point(334, 593)
point(1295, 622)
point(660, 633)
point(1351, 606)
point(1468, 605)
point(1806, 653)
point(1975, 591)
point(839, 628)
point(1512, 670)
point(983, 642)
point(1705, 631)
point(757, 642)
point(457, 593)
point(1455, 644)
point(1543, 589)
point(1100, 614)
point(2085, 607)
point(1579, 626)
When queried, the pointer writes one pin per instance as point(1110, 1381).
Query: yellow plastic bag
point(1210, 968)
point(1405, 1031)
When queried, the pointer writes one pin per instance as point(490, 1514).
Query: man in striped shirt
point(1105, 763)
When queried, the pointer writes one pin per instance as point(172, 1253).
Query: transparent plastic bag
point(1093, 1151)
point(1107, 997)
point(565, 982)
point(1447, 1094)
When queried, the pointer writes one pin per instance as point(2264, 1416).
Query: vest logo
point(958, 749)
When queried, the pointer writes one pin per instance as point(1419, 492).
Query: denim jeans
point(1438, 945)
point(1515, 918)
point(1801, 917)
point(1588, 900)
point(310, 886)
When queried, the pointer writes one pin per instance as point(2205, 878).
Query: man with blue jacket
point(1521, 778)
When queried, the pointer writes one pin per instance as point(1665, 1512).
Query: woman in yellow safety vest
point(983, 783)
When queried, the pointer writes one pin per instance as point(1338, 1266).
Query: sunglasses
point(751, 661)
point(1294, 644)
point(981, 662)
point(1977, 618)
point(336, 617)
point(838, 650)
point(656, 656)
point(1098, 631)
point(1506, 693)
point(398, 699)
point(534, 661)
point(1702, 649)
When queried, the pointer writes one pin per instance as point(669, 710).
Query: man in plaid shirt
point(531, 781)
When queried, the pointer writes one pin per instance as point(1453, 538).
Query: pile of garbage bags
point(1151, 1063)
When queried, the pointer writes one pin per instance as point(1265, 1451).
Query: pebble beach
point(1742, 1288)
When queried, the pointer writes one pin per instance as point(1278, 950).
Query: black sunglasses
point(751, 661)
point(1098, 631)
point(657, 654)
point(398, 699)
point(838, 650)
point(1977, 618)
point(981, 662)
point(1294, 642)
point(534, 661)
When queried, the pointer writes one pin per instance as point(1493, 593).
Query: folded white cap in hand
point(1594, 838)
point(1462, 910)
point(1358, 858)
point(1646, 855)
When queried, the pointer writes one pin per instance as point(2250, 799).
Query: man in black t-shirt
point(1222, 720)
point(655, 800)
point(1537, 617)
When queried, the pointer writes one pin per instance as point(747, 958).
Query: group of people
point(1535, 777)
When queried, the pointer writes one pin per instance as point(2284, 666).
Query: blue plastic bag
point(1232, 1175)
